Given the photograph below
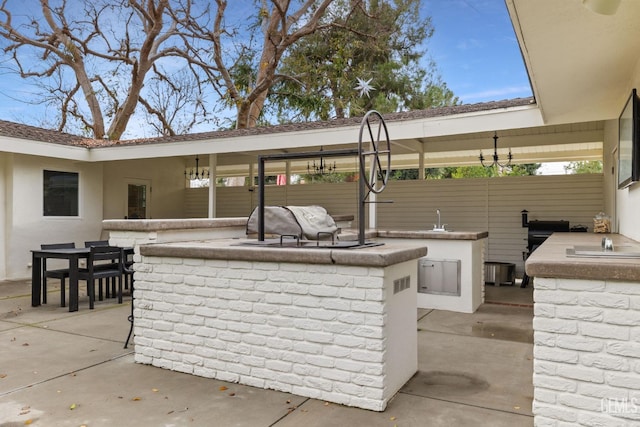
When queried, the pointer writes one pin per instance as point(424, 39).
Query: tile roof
point(16, 130)
point(32, 133)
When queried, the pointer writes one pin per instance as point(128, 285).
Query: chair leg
point(63, 301)
point(119, 289)
point(91, 291)
point(44, 290)
point(44, 281)
point(100, 296)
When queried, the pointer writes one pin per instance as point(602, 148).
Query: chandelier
point(195, 173)
point(496, 159)
point(321, 168)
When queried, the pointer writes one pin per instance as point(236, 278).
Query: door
point(138, 195)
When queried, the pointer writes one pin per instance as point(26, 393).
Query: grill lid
point(306, 222)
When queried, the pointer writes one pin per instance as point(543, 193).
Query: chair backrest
point(58, 246)
point(90, 243)
point(106, 253)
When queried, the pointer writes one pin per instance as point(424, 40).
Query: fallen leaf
point(25, 344)
point(232, 394)
point(27, 422)
point(392, 418)
point(516, 407)
point(326, 403)
point(136, 399)
point(155, 390)
point(73, 406)
point(288, 401)
point(223, 388)
point(3, 375)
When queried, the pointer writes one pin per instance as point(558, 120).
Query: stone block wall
point(322, 331)
point(586, 353)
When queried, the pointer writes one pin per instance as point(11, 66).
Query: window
point(60, 190)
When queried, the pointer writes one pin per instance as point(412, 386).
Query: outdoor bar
point(587, 309)
point(331, 324)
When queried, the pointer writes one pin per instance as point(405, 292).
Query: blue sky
point(476, 50)
point(474, 47)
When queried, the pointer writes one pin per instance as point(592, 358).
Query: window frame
point(56, 211)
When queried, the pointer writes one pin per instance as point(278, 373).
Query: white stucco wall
point(629, 211)
point(4, 176)
point(27, 228)
point(166, 177)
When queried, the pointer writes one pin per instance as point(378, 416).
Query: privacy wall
point(493, 204)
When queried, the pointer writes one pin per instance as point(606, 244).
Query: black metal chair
point(60, 273)
point(88, 244)
point(97, 269)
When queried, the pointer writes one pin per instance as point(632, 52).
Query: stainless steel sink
point(618, 251)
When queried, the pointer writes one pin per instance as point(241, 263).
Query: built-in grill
point(311, 226)
point(539, 231)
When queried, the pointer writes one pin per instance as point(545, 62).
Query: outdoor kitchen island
point(586, 330)
point(331, 324)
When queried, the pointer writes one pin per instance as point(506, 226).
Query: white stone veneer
point(586, 353)
point(331, 332)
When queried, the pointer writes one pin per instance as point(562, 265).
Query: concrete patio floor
point(70, 369)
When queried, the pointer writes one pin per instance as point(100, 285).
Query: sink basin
point(620, 251)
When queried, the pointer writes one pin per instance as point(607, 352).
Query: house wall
point(465, 204)
point(628, 199)
point(166, 176)
point(5, 175)
point(27, 228)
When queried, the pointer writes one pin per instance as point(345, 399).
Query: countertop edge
point(550, 260)
point(437, 235)
point(376, 256)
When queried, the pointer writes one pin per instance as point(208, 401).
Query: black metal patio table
point(73, 255)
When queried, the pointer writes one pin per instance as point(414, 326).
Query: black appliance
point(539, 231)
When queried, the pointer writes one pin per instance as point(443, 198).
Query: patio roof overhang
point(446, 140)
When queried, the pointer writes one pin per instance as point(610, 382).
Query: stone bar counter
point(586, 333)
point(331, 324)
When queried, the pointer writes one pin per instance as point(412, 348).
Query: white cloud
point(496, 94)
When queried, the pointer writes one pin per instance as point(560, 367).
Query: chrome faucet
point(439, 226)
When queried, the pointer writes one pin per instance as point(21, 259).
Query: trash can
point(499, 273)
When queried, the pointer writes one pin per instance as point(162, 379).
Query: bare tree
point(281, 22)
point(104, 52)
point(109, 46)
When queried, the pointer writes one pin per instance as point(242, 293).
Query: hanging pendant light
point(321, 168)
point(496, 159)
point(196, 173)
